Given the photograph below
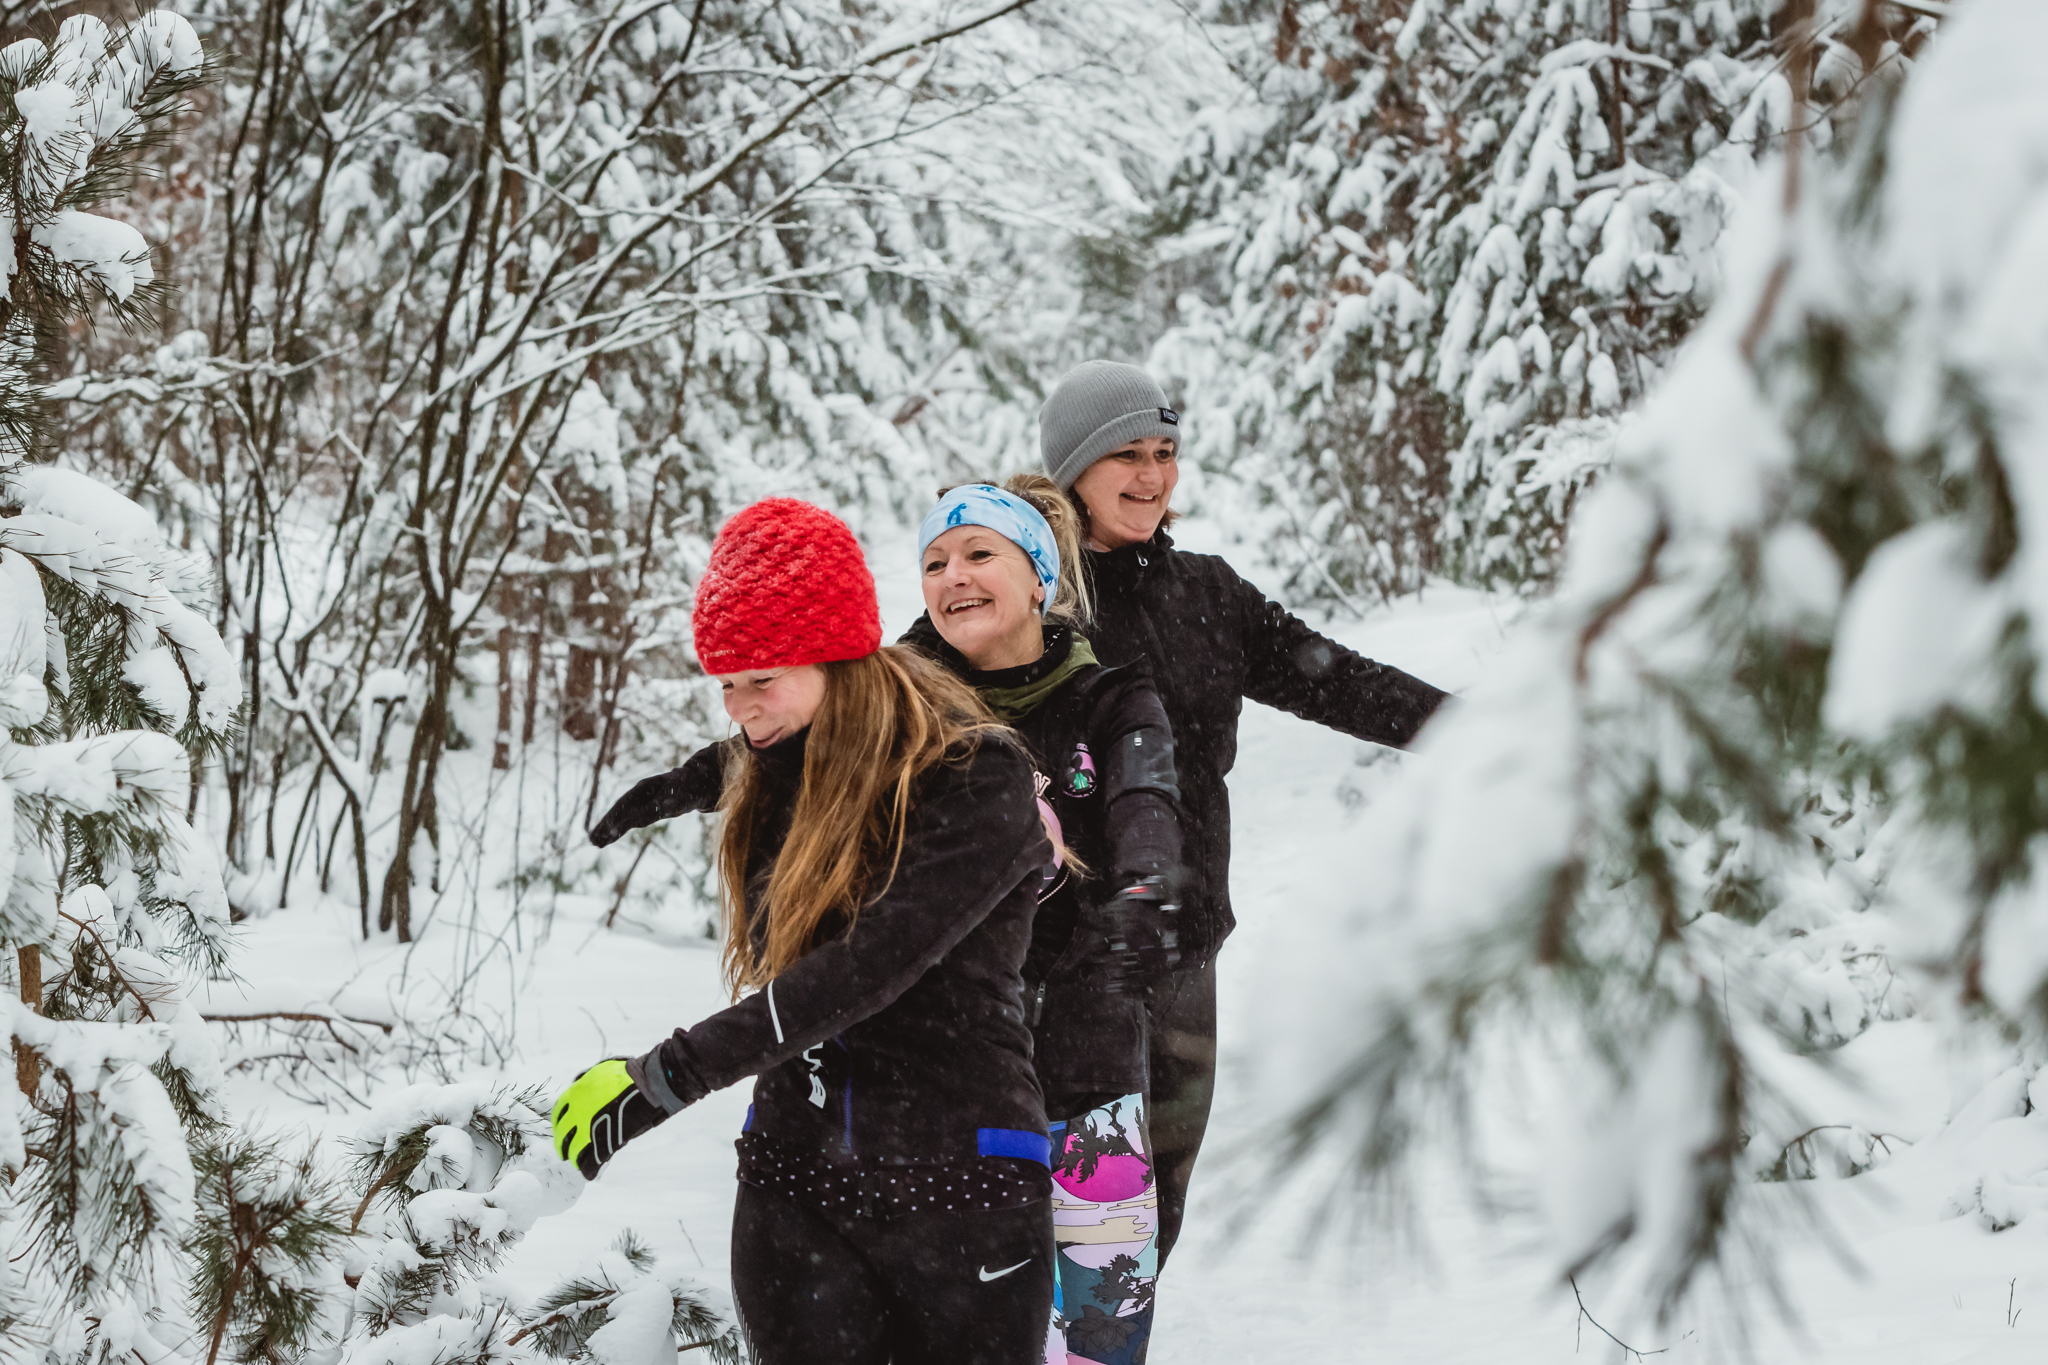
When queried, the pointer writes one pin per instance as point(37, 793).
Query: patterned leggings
point(1105, 1208)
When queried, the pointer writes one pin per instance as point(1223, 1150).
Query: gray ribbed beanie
point(1097, 407)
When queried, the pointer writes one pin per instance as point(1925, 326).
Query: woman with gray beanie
point(1109, 438)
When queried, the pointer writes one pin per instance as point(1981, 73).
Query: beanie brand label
point(1169, 416)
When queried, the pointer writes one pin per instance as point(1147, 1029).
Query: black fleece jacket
point(1087, 1047)
point(1213, 640)
point(903, 1041)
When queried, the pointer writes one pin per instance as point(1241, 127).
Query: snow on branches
point(1461, 240)
point(456, 1174)
point(110, 683)
point(1778, 736)
point(621, 1306)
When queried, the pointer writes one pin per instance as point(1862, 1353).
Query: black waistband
point(862, 1190)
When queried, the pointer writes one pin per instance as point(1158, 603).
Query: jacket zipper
point(1144, 614)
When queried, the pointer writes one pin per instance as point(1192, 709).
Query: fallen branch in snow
point(1586, 1316)
point(302, 1016)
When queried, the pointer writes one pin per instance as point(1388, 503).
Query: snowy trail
point(1937, 1292)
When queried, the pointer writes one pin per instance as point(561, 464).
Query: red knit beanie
point(787, 585)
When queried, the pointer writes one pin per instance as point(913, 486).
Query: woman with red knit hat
point(879, 866)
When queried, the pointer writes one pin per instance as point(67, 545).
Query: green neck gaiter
point(1019, 699)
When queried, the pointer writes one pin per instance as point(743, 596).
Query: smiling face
point(1127, 490)
point(771, 704)
point(984, 596)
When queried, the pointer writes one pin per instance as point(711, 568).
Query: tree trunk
point(28, 1068)
point(533, 667)
point(501, 749)
point(1617, 10)
point(422, 768)
point(579, 693)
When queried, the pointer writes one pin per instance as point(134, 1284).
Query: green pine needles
point(126, 1188)
point(265, 1251)
point(626, 1280)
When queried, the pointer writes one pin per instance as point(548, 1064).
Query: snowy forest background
point(1664, 375)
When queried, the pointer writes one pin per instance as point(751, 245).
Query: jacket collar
point(1059, 643)
point(1121, 565)
point(1014, 693)
point(782, 762)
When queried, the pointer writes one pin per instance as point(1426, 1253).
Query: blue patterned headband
point(980, 504)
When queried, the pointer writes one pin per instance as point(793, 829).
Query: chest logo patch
point(1079, 778)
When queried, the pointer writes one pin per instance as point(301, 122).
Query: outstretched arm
point(695, 786)
point(1296, 669)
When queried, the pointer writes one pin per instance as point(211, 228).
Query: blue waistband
point(1014, 1142)
point(987, 1142)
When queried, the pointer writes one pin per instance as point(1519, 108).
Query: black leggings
point(1183, 1075)
point(970, 1288)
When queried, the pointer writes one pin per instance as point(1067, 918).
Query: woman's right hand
point(694, 786)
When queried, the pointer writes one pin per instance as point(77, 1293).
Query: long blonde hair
point(885, 719)
point(1073, 600)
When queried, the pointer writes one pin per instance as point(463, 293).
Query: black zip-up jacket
point(1212, 640)
point(902, 1042)
point(1088, 1047)
point(1103, 741)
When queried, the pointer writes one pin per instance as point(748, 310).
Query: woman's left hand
point(1141, 942)
point(601, 1111)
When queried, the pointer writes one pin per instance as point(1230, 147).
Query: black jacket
point(902, 1042)
point(1103, 743)
point(1212, 640)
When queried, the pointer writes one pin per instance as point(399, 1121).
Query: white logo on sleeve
point(817, 1064)
point(987, 1274)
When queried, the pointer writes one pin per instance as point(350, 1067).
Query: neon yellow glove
point(600, 1112)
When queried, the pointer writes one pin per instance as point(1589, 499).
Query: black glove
point(696, 785)
point(1138, 933)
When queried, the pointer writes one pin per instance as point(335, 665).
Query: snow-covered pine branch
point(620, 1305)
point(451, 1175)
point(1784, 716)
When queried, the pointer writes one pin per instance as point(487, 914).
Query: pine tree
point(1785, 720)
point(1464, 237)
point(266, 1252)
point(111, 686)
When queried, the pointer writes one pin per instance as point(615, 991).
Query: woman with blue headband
point(1002, 587)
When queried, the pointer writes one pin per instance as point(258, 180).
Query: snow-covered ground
point(1929, 1290)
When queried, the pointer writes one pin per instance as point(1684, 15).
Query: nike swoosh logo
point(987, 1274)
